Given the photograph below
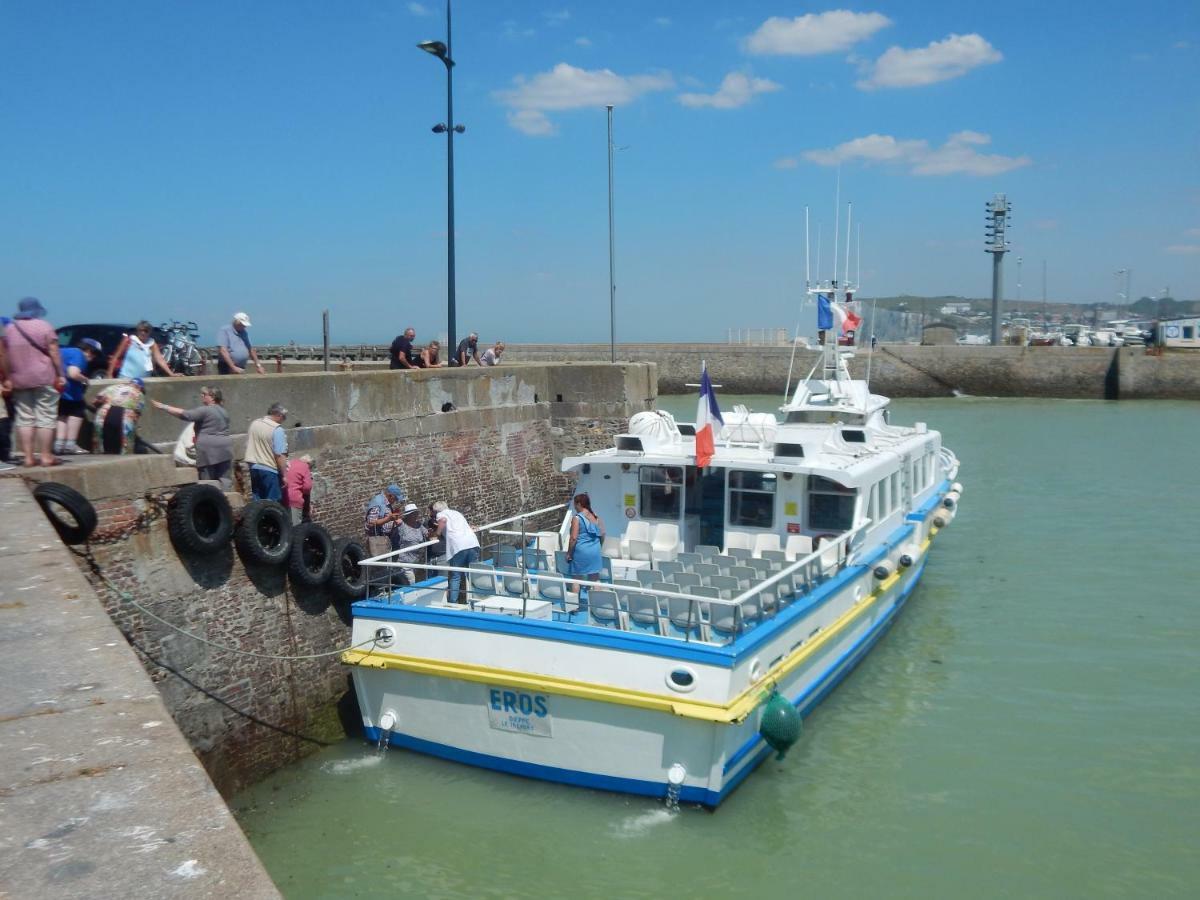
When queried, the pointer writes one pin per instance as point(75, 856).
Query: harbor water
point(1029, 727)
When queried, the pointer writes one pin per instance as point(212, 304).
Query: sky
point(187, 160)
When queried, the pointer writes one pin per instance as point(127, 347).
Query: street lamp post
point(442, 52)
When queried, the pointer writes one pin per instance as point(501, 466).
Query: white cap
point(242, 319)
point(411, 508)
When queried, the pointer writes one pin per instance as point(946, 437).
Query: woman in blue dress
point(587, 536)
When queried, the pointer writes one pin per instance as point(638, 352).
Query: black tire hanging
point(265, 533)
point(348, 578)
point(312, 558)
point(55, 499)
point(199, 519)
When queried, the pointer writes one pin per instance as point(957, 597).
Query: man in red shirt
point(35, 378)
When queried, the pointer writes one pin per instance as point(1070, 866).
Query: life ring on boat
point(311, 560)
point(199, 519)
point(348, 578)
point(54, 498)
point(264, 535)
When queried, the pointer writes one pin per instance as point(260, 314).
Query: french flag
point(707, 413)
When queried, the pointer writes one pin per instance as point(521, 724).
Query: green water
point(1029, 728)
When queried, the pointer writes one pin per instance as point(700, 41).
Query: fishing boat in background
point(750, 561)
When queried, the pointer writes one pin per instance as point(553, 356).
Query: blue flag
point(824, 313)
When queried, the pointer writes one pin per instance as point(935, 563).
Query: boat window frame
point(846, 507)
point(667, 487)
point(742, 491)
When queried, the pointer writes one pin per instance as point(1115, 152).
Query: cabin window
point(830, 505)
point(752, 499)
point(873, 504)
point(1189, 332)
point(661, 491)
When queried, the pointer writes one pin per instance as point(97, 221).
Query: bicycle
point(180, 350)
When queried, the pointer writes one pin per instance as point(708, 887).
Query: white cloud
point(1193, 232)
point(568, 87)
point(418, 9)
point(663, 21)
point(958, 156)
point(809, 35)
point(940, 61)
point(737, 89)
point(1184, 249)
point(583, 41)
point(787, 162)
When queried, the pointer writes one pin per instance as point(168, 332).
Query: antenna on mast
point(818, 253)
point(858, 261)
point(837, 222)
point(849, 215)
point(807, 269)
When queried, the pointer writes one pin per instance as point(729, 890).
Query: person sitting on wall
point(467, 350)
point(491, 356)
point(406, 533)
point(379, 519)
point(462, 547)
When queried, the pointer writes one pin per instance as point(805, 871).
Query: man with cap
point(266, 454)
point(34, 376)
point(380, 520)
point(76, 361)
point(406, 533)
point(234, 347)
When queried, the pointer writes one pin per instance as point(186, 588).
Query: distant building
point(1180, 333)
point(938, 333)
point(956, 309)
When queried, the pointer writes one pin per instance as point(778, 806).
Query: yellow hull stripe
point(732, 711)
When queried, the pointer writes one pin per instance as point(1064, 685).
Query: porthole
point(682, 679)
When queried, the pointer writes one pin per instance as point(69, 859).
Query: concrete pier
point(100, 794)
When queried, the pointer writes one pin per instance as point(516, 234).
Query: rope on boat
point(128, 598)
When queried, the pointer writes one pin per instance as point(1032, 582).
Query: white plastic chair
point(611, 546)
point(639, 550)
point(634, 531)
point(665, 542)
point(798, 546)
point(740, 539)
point(765, 542)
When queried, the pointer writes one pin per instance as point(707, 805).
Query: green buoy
point(780, 724)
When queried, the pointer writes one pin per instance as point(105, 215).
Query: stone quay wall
point(907, 370)
point(497, 454)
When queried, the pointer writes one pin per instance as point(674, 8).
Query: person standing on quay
point(214, 446)
point(138, 355)
point(34, 376)
point(234, 348)
point(266, 454)
point(462, 547)
point(298, 487)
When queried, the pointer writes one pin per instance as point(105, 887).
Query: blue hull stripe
point(836, 670)
point(703, 796)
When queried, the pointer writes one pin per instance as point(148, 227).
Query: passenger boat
point(735, 595)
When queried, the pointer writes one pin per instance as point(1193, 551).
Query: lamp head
point(437, 48)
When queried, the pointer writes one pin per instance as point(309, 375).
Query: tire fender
point(55, 498)
point(265, 533)
point(199, 519)
point(348, 579)
point(311, 560)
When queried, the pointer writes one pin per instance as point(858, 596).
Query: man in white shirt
point(462, 546)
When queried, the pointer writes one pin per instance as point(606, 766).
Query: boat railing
point(652, 608)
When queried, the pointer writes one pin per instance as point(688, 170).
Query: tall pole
point(451, 341)
point(1019, 279)
point(998, 209)
point(1044, 314)
point(612, 276)
point(1128, 281)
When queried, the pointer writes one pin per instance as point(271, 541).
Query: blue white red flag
point(824, 313)
point(707, 413)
